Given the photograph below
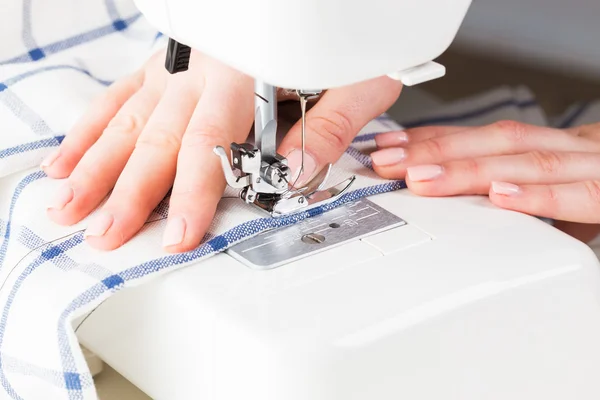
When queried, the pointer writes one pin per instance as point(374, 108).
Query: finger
point(501, 138)
point(224, 115)
point(99, 169)
point(590, 131)
point(149, 173)
point(89, 127)
point(474, 176)
point(333, 122)
point(415, 135)
point(576, 202)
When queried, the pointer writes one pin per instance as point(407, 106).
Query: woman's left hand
point(540, 171)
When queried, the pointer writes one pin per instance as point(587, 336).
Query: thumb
point(333, 122)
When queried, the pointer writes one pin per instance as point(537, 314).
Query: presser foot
point(268, 185)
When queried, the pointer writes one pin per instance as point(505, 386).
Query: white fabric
point(61, 54)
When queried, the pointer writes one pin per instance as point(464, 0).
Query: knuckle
point(207, 136)
point(547, 162)
point(433, 147)
point(514, 131)
point(548, 202)
point(187, 194)
point(588, 130)
point(472, 167)
point(593, 188)
point(125, 124)
point(334, 129)
point(551, 196)
point(159, 138)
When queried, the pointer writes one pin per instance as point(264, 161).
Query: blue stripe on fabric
point(250, 228)
point(17, 366)
point(480, 112)
point(24, 113)
point(367, 137)
point(572, 117)
point(3, 321)
point(26, 34)
point(112, 281)
point(360, 157)
point(218, 243)
point(112, 10)
point(73, 41)
point(2, 228)
point(28, 238)
point(19, 189)
point(71, 380)
point(447, 119)
point(51, 252)
point(39, 144)
point(37, 71)
point(66, 355)
point(386, 121)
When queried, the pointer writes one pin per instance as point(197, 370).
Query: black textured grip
point(178, 57)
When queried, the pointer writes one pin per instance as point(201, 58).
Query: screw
point(301, 200)
point(313, 238)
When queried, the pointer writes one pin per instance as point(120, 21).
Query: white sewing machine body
point(312, 44)
point(463, 302)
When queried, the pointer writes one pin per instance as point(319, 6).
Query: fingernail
point(99, 225)
point(391, 139)
point(295, 162)
point(62, 197)
point(505, 189)
point(423, 172)
point(387, 157)
point(174, 232)
point(49, 160)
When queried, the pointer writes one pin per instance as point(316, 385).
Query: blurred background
point(550, 46)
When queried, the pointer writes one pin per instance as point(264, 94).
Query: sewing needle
point(303, 100)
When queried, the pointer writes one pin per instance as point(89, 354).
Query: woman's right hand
point(152, 131)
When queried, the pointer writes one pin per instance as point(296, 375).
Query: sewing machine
point(416, 298)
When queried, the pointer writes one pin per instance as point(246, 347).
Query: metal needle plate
point(341, 225)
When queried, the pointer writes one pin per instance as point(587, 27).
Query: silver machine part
point(341, 225)
point(265, 119)
point(263, 176)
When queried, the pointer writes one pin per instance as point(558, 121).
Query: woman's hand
point(535, 170)
point(153, 131)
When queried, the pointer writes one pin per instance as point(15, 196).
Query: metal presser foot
point(263, 176)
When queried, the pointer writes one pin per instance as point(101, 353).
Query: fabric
point(54, 58)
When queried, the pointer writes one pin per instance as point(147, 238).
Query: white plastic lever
point(422, 73)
